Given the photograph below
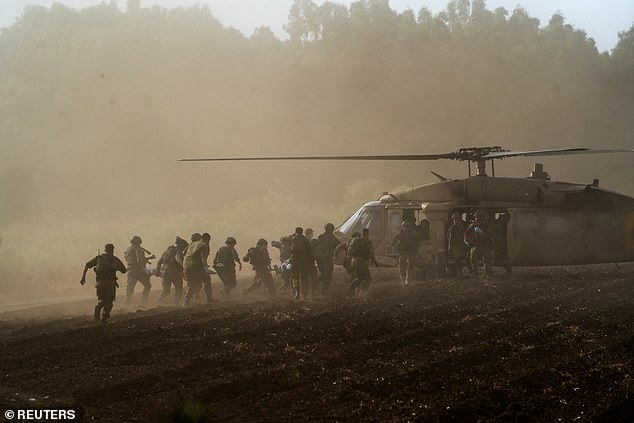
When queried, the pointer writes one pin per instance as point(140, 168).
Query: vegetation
point(97, 104)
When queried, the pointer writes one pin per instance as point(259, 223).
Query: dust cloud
point(98, 105)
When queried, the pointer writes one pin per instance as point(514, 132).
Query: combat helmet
point(263, 242)
point(196, 237)
point(136, 240)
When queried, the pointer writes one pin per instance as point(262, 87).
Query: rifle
point(147, 259)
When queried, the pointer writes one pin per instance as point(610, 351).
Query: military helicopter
point(540, 222)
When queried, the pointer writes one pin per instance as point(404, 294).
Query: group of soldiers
point(306, 267)
point(306, 263)
point(480, 241)
point(475, 243)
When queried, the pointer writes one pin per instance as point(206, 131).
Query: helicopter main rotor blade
point(385, 157)
point(552, 152)
point(464, 154)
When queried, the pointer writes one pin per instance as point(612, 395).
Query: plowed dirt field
point(541, 345)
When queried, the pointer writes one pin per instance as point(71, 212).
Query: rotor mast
point(479, 156)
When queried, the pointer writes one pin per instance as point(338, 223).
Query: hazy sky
point(602, 20)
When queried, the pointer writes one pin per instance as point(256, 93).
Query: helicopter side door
point(394, 221)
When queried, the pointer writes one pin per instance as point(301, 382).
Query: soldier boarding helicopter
point(543, 222)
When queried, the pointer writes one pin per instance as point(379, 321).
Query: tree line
point(97, 104)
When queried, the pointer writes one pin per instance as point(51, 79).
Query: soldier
point(259, 258)
point(345, 248)
point(225, 264)
point(196, 268)
point(170, 267)
point(406, 243)
point(284, 245)
point(301, 261)
point(479, 238)
point(106, 267)
point(136, 261)
point(361, 252)
point(456, 246)
point(328, 242)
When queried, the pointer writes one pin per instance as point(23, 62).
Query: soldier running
point(259, 258)
point(225, 264)
point(328, 242)
point(136, 261)
point(302, 260)
point(106, 267)
point(196, 268)
point(170, 267)
point(361, 252)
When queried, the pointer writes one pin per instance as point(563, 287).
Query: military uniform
point(456, 246)
point(195, 271)
point(225, 264)
point(136, 262)
point(479, 237)
point(106, 266)
point(406, 243)
point(328, 242)
point(259, 258)
point(170, 267)
point(302, 262)
point(361, 252)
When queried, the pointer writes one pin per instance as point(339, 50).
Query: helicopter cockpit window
point(349, 224)
point(371, 219)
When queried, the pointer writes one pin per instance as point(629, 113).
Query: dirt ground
point(543, 345)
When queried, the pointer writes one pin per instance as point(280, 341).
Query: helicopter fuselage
point(546, 222)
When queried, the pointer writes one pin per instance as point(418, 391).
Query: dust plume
point(98, 104)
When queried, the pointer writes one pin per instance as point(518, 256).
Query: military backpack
point(355, 247)
point(254, 256)
point(105, 265)
point(224, 255)
point(131, 257)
